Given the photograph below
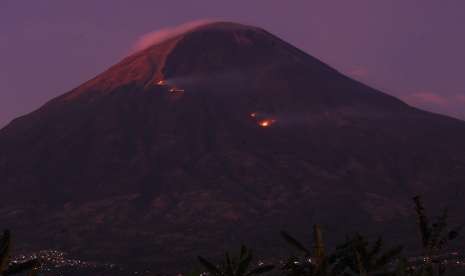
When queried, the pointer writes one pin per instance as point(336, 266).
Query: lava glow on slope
point(261, 120)
point(266, 122)
point(173, 89)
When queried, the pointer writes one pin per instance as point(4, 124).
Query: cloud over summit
point(158, 36)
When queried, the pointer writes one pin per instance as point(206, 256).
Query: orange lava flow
point(266, 123)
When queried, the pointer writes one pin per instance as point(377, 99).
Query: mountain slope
point(222, 134)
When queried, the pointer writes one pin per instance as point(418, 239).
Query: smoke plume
point(163, 34)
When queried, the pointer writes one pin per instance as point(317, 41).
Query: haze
point(409, 49)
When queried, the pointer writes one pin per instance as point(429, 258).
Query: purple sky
point(413, 49)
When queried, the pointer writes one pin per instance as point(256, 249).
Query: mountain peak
point(210, 48)
point(222, 55)
point(162, 36)
point(223, 26)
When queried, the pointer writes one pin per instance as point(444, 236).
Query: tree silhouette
point(357, 256)
point(434, 238)
point(7, 268)
point(310, 262)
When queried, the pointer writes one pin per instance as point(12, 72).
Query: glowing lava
point(175, 90)
point(262, 120)
point(266, 122)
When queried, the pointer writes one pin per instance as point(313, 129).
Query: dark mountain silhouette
point(221, 135)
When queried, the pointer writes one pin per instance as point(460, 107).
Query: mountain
point(221, 135)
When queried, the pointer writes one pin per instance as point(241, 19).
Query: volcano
point(220, 135)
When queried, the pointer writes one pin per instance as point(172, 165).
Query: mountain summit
point(220, 135)
point(219, 52)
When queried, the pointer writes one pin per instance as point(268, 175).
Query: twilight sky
point(412, 49)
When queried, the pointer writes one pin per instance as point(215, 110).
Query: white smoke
point(163, 34)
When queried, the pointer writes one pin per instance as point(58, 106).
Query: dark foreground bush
point(6, 267)
point(356, 256)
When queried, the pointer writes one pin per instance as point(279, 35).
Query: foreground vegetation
point(356, 256)
point(8, 268)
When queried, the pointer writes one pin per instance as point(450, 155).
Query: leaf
point(376, 249)
point(209, 266)
point(5, 247)
point(244, 252)
point(229, 265)
point(292, 241)
point(402, 267)
point(319, 247)
point(388, 256)
point(453, 234)
point(360, 267)
point(441, 269)
point(243, 265)
point(423, 223)
point(436, 232)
